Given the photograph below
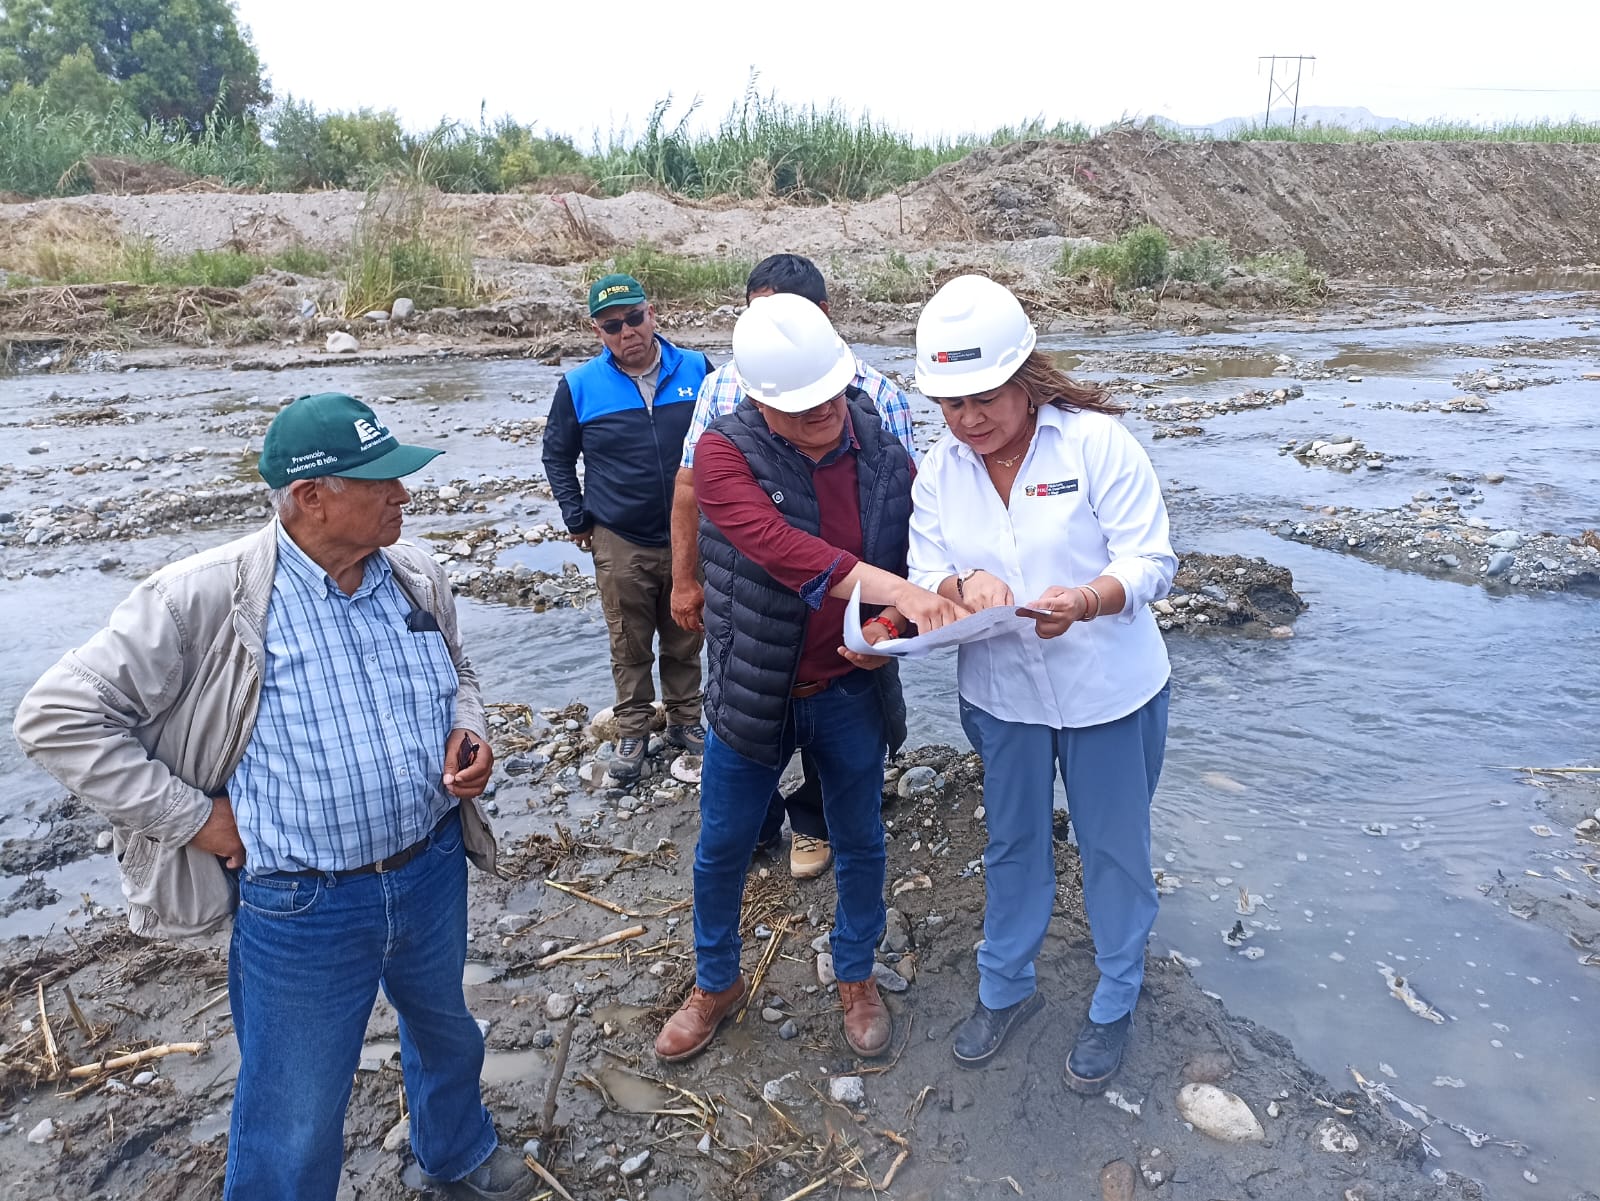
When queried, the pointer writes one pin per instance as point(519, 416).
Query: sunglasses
point(466, 753)
point(614, 326)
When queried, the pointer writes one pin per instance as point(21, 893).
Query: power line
point(1280, 85)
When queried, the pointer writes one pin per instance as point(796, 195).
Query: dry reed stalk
point(593, 945)
point(593, 900)
point(540, 1171)
point(133, 1059)
point(764, 964)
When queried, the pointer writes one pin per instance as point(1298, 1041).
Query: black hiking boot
point(1097, 1054)
point(980, 1037)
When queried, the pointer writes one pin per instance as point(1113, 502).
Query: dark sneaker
point(980, 1037)
point(1097, 1054)
point(628, 763)
point(688, 738)
point(501, 1177)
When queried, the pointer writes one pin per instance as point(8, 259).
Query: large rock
point(1218, 1113)
point(402, 308)
point(340, 342)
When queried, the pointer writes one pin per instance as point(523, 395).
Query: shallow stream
point(1355, 777)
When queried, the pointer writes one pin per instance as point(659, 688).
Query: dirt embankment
point(1352, 208)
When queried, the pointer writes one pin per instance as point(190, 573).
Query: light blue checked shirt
point(720, 395)
point(345, 764)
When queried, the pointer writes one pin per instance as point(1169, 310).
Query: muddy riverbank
point(777, 1103)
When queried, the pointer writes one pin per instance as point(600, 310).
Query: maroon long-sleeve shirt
point(730, 498)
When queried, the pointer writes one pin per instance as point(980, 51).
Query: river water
point(1354, 777)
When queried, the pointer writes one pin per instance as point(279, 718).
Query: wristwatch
point(961, 578)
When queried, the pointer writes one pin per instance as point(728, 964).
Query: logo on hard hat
point(958, 356)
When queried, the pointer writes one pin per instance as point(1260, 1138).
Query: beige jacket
point(148, 719)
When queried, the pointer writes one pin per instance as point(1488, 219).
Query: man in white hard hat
point(804, 496)
point(720, 394)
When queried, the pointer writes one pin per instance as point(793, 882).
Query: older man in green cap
point(286, 728)
point(625, 413)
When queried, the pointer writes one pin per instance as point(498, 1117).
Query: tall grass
point(43, 152)
point(668, 276)
point(762, 147)
point(397, 251)
point(1572, 130)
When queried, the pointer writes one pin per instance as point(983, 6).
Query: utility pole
point(1283, 84)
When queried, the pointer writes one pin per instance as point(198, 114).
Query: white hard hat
point(971, 337)
point(787, 354)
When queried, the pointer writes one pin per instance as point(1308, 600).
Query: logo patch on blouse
point(1059, 488)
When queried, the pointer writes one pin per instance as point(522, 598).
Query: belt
point(389, 863)
point(809, 688)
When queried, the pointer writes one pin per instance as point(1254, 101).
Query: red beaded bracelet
point(880, 619)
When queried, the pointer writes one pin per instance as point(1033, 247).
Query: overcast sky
point(932, 67)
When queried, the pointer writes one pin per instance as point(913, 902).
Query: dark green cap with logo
point(610, 290)
point(334, 434)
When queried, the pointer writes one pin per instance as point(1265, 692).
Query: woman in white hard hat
point(804, 495)
point(1040, 496)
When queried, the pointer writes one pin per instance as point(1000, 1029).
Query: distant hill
point(1310, 114)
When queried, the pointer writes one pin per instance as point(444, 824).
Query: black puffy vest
point(755, 627)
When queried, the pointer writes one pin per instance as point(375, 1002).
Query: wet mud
point(756, 1115)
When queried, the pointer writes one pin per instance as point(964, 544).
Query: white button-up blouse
point(1085, 503)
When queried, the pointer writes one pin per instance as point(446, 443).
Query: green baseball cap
point(611, 290)
point(334, 434)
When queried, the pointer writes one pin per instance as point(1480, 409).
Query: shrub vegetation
point(1143, 258)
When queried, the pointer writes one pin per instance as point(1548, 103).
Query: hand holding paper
point(986, 623)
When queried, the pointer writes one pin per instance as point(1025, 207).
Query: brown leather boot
point(691, 1029)
point(867, 1025)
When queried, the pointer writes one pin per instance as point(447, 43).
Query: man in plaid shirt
point(720, 394)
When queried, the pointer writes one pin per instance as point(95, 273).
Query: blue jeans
point(843, 729)
point(1110, 772)
point(307, 957)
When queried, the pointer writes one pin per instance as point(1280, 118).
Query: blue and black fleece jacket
point(630, 453)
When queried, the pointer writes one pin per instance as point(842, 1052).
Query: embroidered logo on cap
point(369, 433)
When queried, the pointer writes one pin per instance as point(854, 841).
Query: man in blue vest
point(804, 496)
point(625, 413)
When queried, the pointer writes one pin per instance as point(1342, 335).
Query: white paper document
point(985, 623)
